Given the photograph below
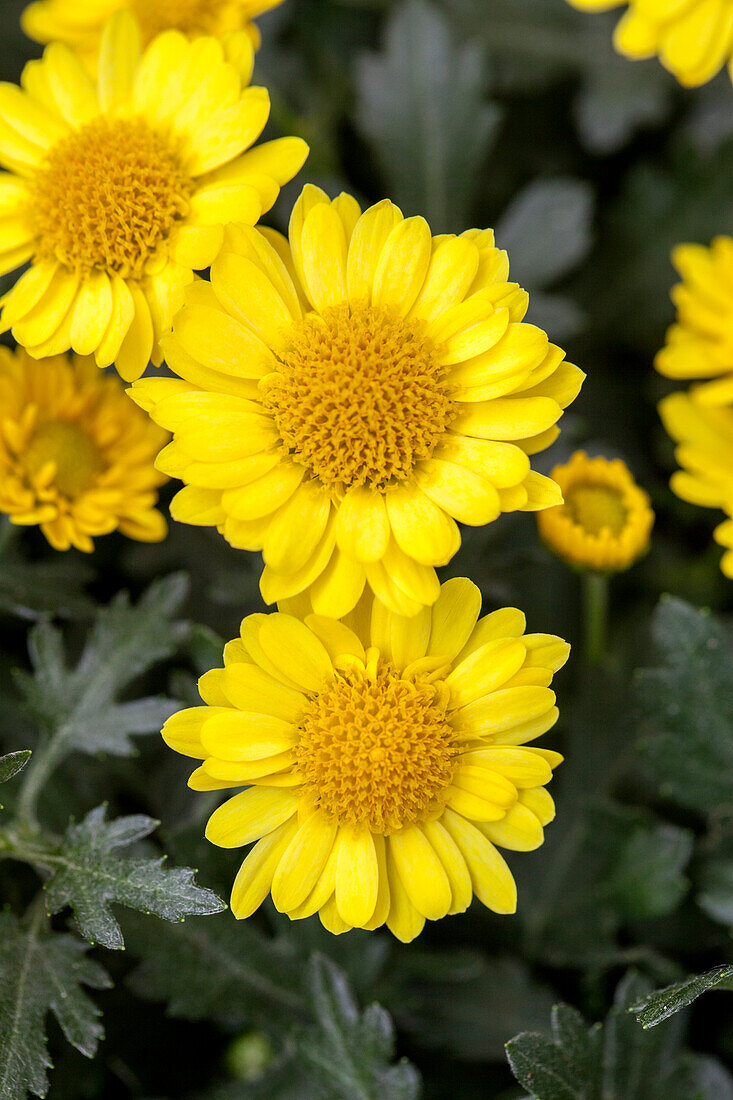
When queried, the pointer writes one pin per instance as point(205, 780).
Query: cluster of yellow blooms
point(340, 400)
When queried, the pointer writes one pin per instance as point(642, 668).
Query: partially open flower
point(700, 344)
point(80, 23)
point(119, 189)
point(385, 759)
point(345, 397)
point(704, 435)
point(606, 519)
point(76, 456)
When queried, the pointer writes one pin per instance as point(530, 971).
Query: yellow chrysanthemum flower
point(605, 521)
point(76, 456)
point(384, 759)
point(80, 23)
point(119, 190)
point(345, 397)
point(704, 435)
point(700, 344)
point(692, 38)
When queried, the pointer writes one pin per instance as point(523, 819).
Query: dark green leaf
point(13, 763)
point(35, 589)
point(546, 230)
point(662, 1003)
point(422, 106)
point(78, 706)
point(88, 875)
point(615, 1060)
point(348, 1052)
point(687, 707)
point(42, 972)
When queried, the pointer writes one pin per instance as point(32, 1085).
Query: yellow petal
point(453, 863)
point(503, 709)
point(200, 507)
point(492, 880)
point(323, 256)
point(486, 669)
point(338, 588)
point(297, 528)
point(250, 815)
point(463, 494)
point(402, 266)
point(251, 689)
point(454, 616)
point(92, 313)
point(452, 269)
point(254, 879)
point(119, 55)
point(362, 525)
point(302, 861)
point(137, 347)
point(295, 651)
point(404, 921)
point(357, 875)
point(520, 831)
point(422, 529)
point(238, 735)
point(421, 872)
point(182, 731)
point(367, 243)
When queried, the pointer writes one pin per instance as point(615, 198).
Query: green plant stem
point(595, 614)
point(42, 766)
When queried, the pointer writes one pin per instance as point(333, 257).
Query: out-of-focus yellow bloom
point(605, 521)
point(119, 189)
point(700, 344)
point(692, 38)
point(76, 456)
point(704, 437)
point(345, 397)
point(80, 23)
point(384, 759)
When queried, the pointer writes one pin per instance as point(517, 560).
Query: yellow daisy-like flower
point(704, 435)
point(80, 23)
point(76, 456)
point(700, 344)
point(384, 759)
point(118, 190)
point(692, 38)
point(345, 397)
point(605, 521)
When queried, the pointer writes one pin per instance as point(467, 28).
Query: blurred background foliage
point(515, 114)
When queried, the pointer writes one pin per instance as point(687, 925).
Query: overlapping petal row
point(692, 38)
point(606, 519)
point(118, 188)
point(385, 759)
point(704, 437)
point(80, 23)
point(344, 397)
point(700, 344)
point(76, 457)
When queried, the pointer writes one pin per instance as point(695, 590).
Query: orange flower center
point(108, 196)
point(377, 749)
point(75, 455)
point(359, 397)
point(193, 17)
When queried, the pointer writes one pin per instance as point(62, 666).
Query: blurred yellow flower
point(700, 344)
point(345, 397)
point(692, 38)
point(384, 758)
point(119, 190)
point(704, 435)
point(605, 521)
point(76, 456)
point(80, 23)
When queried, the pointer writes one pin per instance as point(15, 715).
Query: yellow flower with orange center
point(80, 23)
point(700, 344)
point(346, 396)
point(384, 759)
point(76, 456)
point(605, 521)
point(692, 38)
point(119, 189)
point(704, 437)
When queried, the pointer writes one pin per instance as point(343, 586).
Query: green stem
point(595, 613)
point(43, 764)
